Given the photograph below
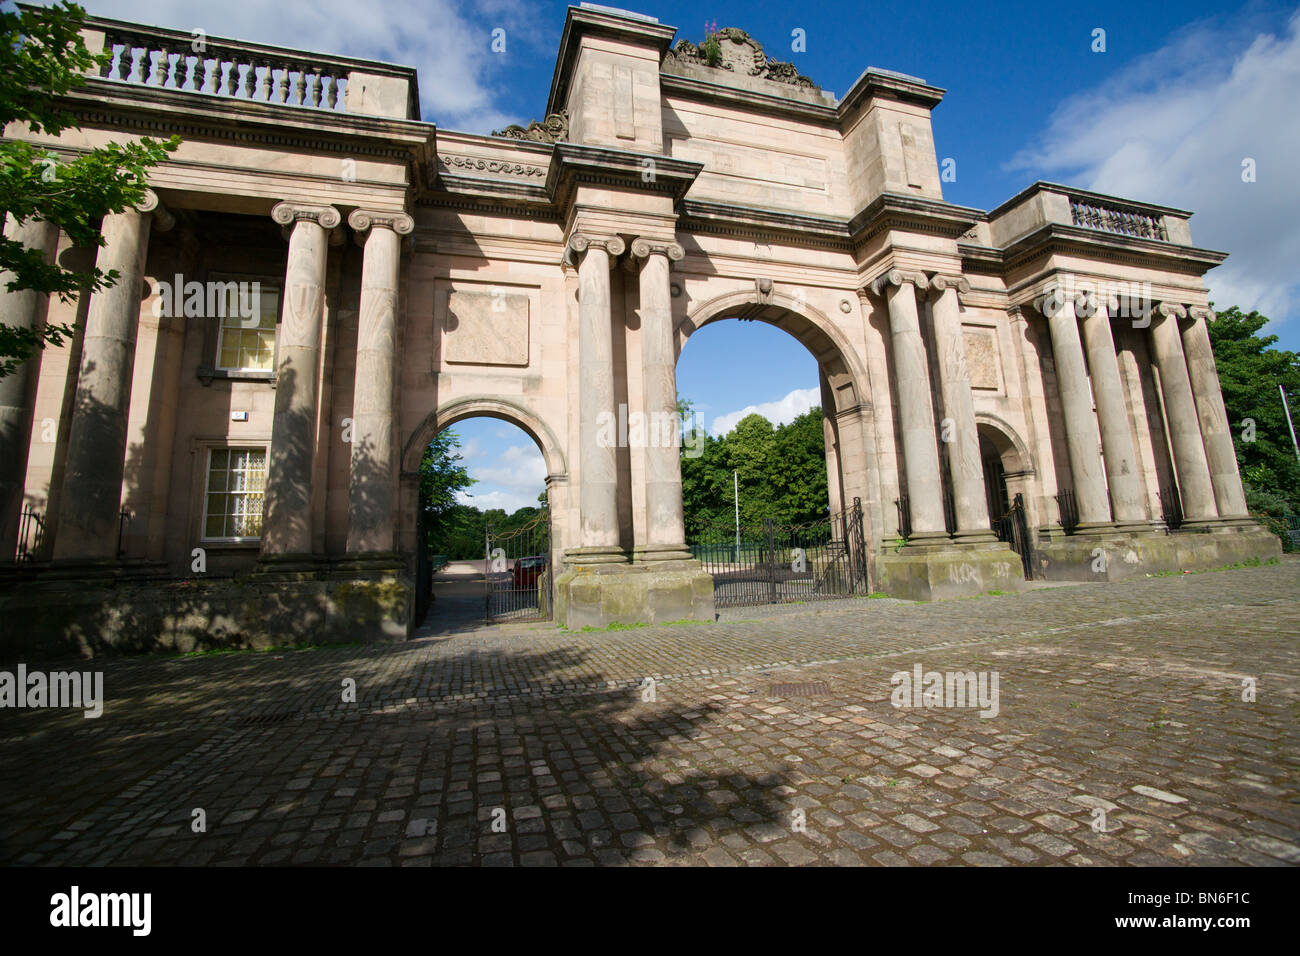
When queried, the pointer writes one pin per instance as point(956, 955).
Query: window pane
point(235, 493)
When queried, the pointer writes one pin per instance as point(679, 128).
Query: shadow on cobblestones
point(285, 772)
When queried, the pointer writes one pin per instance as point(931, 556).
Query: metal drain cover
point(811, 689)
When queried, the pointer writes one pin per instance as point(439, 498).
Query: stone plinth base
point(598, 595)
point(936, 571)
point(55, 613)
point(1117, 556)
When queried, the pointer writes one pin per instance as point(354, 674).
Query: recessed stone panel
point(485, 327)
point(982, 357)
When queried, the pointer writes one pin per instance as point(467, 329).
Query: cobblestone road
point(1119, 698)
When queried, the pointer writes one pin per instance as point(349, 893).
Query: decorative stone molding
point(1171, 309)
point(363, 220)
point(1016, 313)
point(898, 277)
point(644, 248)
point(553, 129)
point(579, 243)
point(287, 213)
point(492, 165)
point(763, 288)
point(941, 283)
point(1197, 312)
point(743, 55)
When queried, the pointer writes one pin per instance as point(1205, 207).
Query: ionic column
point(1194, 484)
point(1076, 403)
point(1127, 494)
point(90, 502)
point(915, 414)
point(286, 528)
point(1229, 496)
point(19, 310)
point(958, 404)
point(598, 496)
point(370, 492)
point(665, 529)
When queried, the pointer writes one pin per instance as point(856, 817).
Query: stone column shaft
point(916, 416)
point(1127, 494)
point(598, 457)
point(23, 309)
point(286, 527)
point(1194, 484)
point(964, 461)
point(1229, 496)
point(665, 530)
point(371, 489)
point(1076, 403)
point(91, 499)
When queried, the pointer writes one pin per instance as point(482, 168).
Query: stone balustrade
point(192, 62)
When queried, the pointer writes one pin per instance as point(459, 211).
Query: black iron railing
point(31, 534)
point(1171, 507)
point(769, 563)
point(1013, 528)
point(518, 573)
point(904, 516)
point(1069, 510)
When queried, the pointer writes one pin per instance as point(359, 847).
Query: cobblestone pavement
point(1124, 698)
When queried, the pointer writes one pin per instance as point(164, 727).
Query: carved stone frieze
point(479, 164)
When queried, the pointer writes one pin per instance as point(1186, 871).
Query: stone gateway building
point(320, 282)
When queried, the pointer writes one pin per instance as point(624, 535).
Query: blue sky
point(1182, 94)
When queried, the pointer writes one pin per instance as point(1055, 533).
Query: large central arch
point(847, 409)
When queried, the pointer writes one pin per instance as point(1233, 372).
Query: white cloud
point(446, 40)
point(1174, 128)
point(509, 478)
point(780, 412)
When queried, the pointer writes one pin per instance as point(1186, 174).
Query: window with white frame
point(233, 500)
point(248, 312)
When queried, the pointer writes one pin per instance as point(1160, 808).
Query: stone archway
point(1008, 467)
point(851, 464)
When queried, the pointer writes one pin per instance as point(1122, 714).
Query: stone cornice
point(588, 21)
point(763, 224)
point(286, 214)
point(574, 165)
point(911, 214)
point(1108, 246)
point(185, 111)
point(751, 101)
point(889, 85)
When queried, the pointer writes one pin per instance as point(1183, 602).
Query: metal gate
point(517, 572)
point(1013, 528)
point(767, 563)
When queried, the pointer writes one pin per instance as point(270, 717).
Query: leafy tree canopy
point(42, 56)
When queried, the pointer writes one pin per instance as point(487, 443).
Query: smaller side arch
point(1010, 442)
point(487, 406)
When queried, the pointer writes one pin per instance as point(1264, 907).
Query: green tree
point(43, 56)
point(1250, 371)
point(441, 478)
point(781, 471)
